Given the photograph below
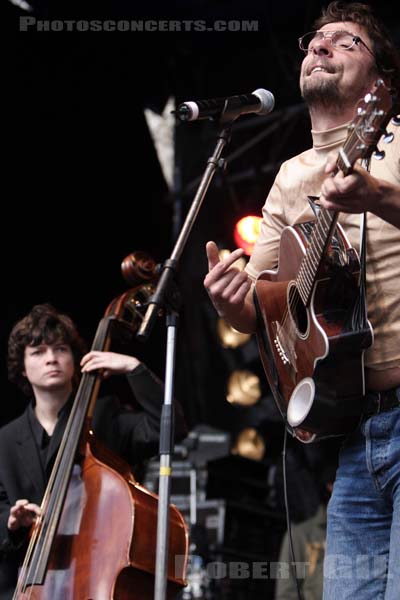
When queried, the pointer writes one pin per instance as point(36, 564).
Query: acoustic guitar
point(312, 323)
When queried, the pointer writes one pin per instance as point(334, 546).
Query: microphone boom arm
point(156, 301)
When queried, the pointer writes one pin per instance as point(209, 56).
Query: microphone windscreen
point(267, 101)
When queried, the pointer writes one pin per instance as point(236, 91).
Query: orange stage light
point(246, 232)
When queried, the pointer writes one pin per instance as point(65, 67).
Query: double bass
point(96, 536)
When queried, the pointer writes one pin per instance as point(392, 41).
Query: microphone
point(260, 101)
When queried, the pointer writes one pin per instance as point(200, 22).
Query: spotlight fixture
point(249, 444)
point(229, 336)
point(246, 233)
point(243, 388)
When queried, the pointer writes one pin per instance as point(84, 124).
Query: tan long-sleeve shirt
point(287, 204)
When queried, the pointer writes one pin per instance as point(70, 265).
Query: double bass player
point(45, 357)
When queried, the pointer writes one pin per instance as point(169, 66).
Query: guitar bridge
point(279, 348)
point(285, 350)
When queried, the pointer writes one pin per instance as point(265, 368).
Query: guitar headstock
point(367, 127)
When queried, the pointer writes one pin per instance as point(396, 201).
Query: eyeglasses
point(342, 40)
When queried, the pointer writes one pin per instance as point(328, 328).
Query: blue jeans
point(362, 560)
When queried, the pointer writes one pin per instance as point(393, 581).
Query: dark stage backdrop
point(82, 183)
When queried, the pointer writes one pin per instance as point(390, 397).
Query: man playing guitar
point(344, 57)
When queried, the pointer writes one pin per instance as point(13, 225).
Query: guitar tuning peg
point(388, 137)
point(396, 120)
point(379, 154)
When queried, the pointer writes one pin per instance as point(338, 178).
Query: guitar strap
point(360, 317)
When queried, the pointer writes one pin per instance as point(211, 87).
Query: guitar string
point(353, 141)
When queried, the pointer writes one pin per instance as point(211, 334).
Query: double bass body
point(106, 539)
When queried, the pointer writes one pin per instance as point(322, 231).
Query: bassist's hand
point(228, 288)
point(22, 514)
point(111, 363)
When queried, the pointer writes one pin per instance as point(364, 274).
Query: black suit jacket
point(132, 435)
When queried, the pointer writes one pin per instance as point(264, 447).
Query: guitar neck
point(363, 134)
point(319, 240)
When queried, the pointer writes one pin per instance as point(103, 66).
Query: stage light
point(243, 388)
point(246, 232)
point(249, 444)
point(239, 264)
point(229, 336)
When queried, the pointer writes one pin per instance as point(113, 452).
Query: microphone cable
point(293, 565)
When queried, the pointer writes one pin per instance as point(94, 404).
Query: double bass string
point(45, 526)
point(37, 554)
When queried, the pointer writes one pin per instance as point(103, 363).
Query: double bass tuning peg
point(141, 271)
point(396, 120)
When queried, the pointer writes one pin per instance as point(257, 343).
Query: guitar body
point(313, 355)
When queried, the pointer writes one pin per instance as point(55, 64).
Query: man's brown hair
point(386, 54)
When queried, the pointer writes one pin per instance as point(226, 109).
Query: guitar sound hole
point(298, 310)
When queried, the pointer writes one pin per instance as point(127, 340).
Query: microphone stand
point(164, 297)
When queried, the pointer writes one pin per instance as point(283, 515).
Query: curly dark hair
point(386, 54)
point(44, 324)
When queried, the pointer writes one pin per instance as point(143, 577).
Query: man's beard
point(324, 93)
